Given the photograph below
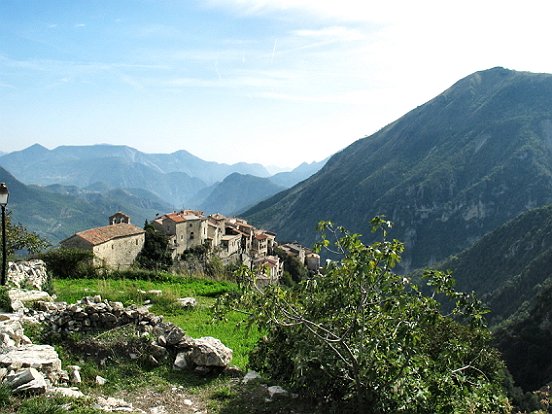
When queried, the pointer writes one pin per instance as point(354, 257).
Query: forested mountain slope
point(446, 173)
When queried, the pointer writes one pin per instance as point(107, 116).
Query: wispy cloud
point(337, 33)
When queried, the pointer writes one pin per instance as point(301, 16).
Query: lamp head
point(4, 194)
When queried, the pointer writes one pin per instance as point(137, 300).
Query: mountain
point(510, 269)
point(524, 340)
point(238, 192)
point(507, 266)
point(300, 173)
point(175, 177)
point(445, 173)
point(56, 213)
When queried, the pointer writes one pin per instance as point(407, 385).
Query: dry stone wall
point(34, 369)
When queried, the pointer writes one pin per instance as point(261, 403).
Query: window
point(191, 235)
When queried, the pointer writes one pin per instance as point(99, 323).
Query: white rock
point(251, 376)
point(100, 380)
point(28, 381)
point(276, 391)
point(180, 361)
point(187, 303)
point(210, 352)
point(66, 392)
point(43, 357)
point(74, 374)
point(188, 402)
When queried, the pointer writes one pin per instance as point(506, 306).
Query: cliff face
point(446, 173)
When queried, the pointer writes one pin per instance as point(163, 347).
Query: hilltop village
point(233, 240)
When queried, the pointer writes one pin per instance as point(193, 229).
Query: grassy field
point(196, 322)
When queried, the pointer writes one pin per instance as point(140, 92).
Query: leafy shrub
point(5, 302)
point(70, 262)
point(361, 334)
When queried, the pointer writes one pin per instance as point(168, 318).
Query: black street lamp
point(4, 195)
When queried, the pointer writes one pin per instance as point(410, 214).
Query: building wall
point(118, 253)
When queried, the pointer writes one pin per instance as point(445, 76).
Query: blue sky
point(276, 82)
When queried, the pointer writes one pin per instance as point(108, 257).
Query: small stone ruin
point(36, 369)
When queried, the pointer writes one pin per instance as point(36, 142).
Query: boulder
point(180, 362)
point(27, 381)
point(187, 303)
point(210, 352)
point(65, 392)
point(42, 357)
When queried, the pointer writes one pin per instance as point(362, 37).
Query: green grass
point(195, 322)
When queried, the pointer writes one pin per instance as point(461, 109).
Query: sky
point(275, 82)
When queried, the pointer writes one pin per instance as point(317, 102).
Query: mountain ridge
point(441, 172)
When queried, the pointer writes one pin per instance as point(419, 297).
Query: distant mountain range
point(179, 179)
point(58, 211)
point(238, 192)
point(446, 173)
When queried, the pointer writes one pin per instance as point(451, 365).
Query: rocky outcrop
point(27, 274)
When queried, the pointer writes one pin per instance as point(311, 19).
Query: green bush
point(69, 262)
point(5, 302)
point(366, 337)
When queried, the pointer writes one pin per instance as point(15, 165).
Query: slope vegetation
point(446, 173)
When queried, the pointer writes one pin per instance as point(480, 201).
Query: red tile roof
point(103, 234)
point(177, 218)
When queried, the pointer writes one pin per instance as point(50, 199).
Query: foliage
point(69, 262)
point(5, 301)
point(19, 238)
point(292, 265)
point(155, 254)
point(362, 333)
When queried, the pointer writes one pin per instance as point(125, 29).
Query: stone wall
point(119, 253)
point(31, 274)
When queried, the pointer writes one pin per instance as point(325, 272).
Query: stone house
point(230, 247)
point(269, 269)
point(115, 246)
point(185, 229)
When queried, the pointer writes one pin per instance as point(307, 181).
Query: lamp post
point(4, 195)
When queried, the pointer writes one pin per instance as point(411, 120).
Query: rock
point(210, 352)
point(100, 380)
point(42, 357)
point(187, 303)
point(27, 381)
point(158, 410)
point(116, 405)
point(74, 374)
point(180, 362)
point(187, 402)
point(251, 376)
point(66, 392)
point(26, 296)
point(277, 392)
point(174, 335)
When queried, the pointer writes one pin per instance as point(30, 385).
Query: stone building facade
point(115, 246)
